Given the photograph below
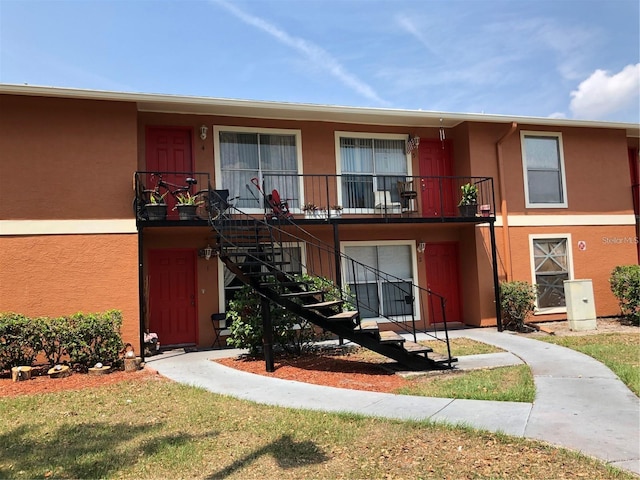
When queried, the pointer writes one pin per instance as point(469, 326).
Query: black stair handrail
point(279, 235)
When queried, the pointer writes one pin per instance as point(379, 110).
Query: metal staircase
point(259, 253)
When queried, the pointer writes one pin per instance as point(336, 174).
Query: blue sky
point(560, 58)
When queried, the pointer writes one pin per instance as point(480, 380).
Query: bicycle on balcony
point(150, 204)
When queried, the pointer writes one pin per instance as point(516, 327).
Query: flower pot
point(468, 210)
point(186, 212)
point(156, 211)
point(335, 213)
point(315, 214)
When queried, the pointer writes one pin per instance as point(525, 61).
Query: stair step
point(282, 284)
point(348, 315)
point(265, 262)
point(390, 337)
point(323, 305)
point(370, 326)
point(412, 347)
point(302, 294)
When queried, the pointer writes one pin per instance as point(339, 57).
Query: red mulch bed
point(342, 371)
point(76, 381)
point(336, 370)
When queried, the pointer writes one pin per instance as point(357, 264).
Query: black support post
point(141, 299)
point(267, 335)
point(496, 281)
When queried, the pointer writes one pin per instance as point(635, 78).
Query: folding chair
point(219, 322)
point(408, 196)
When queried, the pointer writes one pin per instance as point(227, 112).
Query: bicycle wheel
point(203, 205)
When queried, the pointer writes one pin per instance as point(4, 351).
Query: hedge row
point(80, 339)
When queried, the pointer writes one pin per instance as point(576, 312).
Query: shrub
point(56, 333)
point(625, 285)
point(93, 338)
point(20, 340)
point(291, 333)
point(517, 301)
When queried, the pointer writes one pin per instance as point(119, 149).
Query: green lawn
point(150, 428)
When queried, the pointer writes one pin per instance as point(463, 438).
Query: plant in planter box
point(311, 210)
point(336, 211)
point(186, 204)
point(156, 208)
point(468, 205)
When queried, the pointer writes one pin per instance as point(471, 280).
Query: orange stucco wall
point(596, 167)
point(69, 159)
point(51, 275)
point(606, 247)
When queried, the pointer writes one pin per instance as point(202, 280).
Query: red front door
point(438, 195)
point(441, 261)
point(172, 296)
point(169, 150)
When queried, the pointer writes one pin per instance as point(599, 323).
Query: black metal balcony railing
point(157, 194)
point(323, 196)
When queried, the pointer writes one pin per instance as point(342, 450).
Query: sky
point(577, 59)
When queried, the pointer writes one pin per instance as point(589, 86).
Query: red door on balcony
point(438, 195)
point(168, 149)
point(172, 296)
point(441, 261)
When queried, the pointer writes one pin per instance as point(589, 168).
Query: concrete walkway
point(580, 404)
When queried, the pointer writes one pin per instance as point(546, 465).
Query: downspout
point(504, 211)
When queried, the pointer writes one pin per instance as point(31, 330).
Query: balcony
point(318, 198)
point(158, 195)
point(387, 197)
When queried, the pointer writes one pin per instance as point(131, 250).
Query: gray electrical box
point(581, 308)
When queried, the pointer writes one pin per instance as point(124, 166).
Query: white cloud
point(315, 54)
point(603, 94)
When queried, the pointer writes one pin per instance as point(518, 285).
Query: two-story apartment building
point(558, 200)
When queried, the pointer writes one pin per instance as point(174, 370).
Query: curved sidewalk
point(580, 404)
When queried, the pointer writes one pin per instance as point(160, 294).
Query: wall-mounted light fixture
point(206, 252)
point(442, 134)
point(421, 246)
point(203, 132)
point(412, 143)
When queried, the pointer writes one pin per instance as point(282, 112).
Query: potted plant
point(186, 204)
point(468, 205)
point(336, 211)
point(156, 209)
point(311, 210)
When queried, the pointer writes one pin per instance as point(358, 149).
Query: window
point(370, 165)
point(543, 170)
point(293, 254)
point(551, 267)
point(272, 156)
point(381, 296)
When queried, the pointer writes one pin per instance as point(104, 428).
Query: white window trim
point(222, 301)
point(558, 136)
point(217, 161)
point(544, 236)
point(414, 272)
point(376, 136)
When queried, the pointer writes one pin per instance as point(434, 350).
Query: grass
point(150, 428)
point(461, 346)
point(507, 384)
point(618, 351)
